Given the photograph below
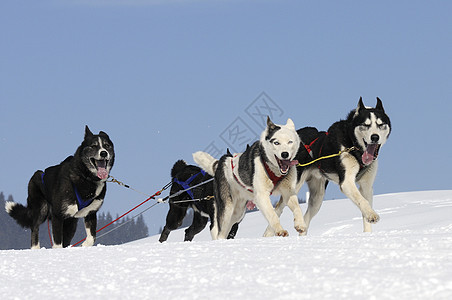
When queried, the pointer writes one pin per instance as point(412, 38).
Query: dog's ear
point(270, 124)
point(103, 134)
point(88, 132)
point(379, 105)
point(228, 153)
point(290, 124)
point(360, 106)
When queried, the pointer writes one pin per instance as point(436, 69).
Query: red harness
point(275, 179)
point(236, 178)
point(308, 147)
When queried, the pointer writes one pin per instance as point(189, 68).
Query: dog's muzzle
point(101, 167)
point(371, 153)
point(285, 164)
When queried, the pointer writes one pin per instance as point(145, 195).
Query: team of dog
point(279, 163)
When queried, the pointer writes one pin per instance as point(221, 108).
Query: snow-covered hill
point(409, 256)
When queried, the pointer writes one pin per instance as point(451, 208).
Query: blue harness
point(81, 204)
point(186, 184)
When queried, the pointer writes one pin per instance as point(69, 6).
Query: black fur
point(246, 162)
point(339, 133)
point(49, 195)
point(272, 129)
point(177, 211)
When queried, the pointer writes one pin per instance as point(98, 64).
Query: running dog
point(265, 168)
point(63, 193)
point(200, 199)
point(357, 142)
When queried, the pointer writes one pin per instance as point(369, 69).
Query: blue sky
point(167, 78)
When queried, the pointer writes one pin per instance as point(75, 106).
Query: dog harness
point(319, 164)
point(186, 184)
point(275, 179)
point(237, 179)
point(81, 204)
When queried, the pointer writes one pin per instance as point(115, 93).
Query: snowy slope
point(409, 256)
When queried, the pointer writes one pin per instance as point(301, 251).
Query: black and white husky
point(265, 168)
point(73, 189)
point(359, 137)
point(184, 178)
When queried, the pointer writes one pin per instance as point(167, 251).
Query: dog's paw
point(269, 232)
point(283, 233)
point(88, 242)
point(372, 217)
point(302, 230)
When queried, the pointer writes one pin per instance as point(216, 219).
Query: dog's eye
point(364, 127)
point(107, 146)
point(383, 126)
point(290, 142)
point(277, 143)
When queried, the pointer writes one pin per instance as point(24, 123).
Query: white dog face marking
point(372, 129)
point(281, 143)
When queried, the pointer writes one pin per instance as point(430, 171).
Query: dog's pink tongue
point(102, 173)
point(368, 155)
point(250, 205)
point(289, 163)
point(294, 162)
point(286, 164)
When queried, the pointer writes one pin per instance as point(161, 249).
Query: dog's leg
point(214, 229)
point(90, 227)
point(69, 228)
point(57, 231)
point(299, 223)
point(278, 210)
point(223, 207)
point(263, 202)
point(35, 238)
point(174, 220)
point(366, 189)
point(233, 231)
point(348, 187)
point(316, 187)
point(225, 220)
point(199, 223)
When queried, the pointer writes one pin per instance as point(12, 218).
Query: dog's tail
point(178, 167)
point(19, 213)
point(206, 162)
point(26, 216)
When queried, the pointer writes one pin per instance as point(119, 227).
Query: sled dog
point(63, 193)
point(359, 138)
point(200, 199)
point(265, 168)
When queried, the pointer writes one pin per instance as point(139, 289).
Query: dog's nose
point(374, 138)
point(103, 154)
point(285, 155)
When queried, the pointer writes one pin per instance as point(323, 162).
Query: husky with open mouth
point(267, 167)
point(360, 138)
point(63, 193)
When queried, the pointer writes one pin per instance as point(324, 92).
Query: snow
point(408, 256)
